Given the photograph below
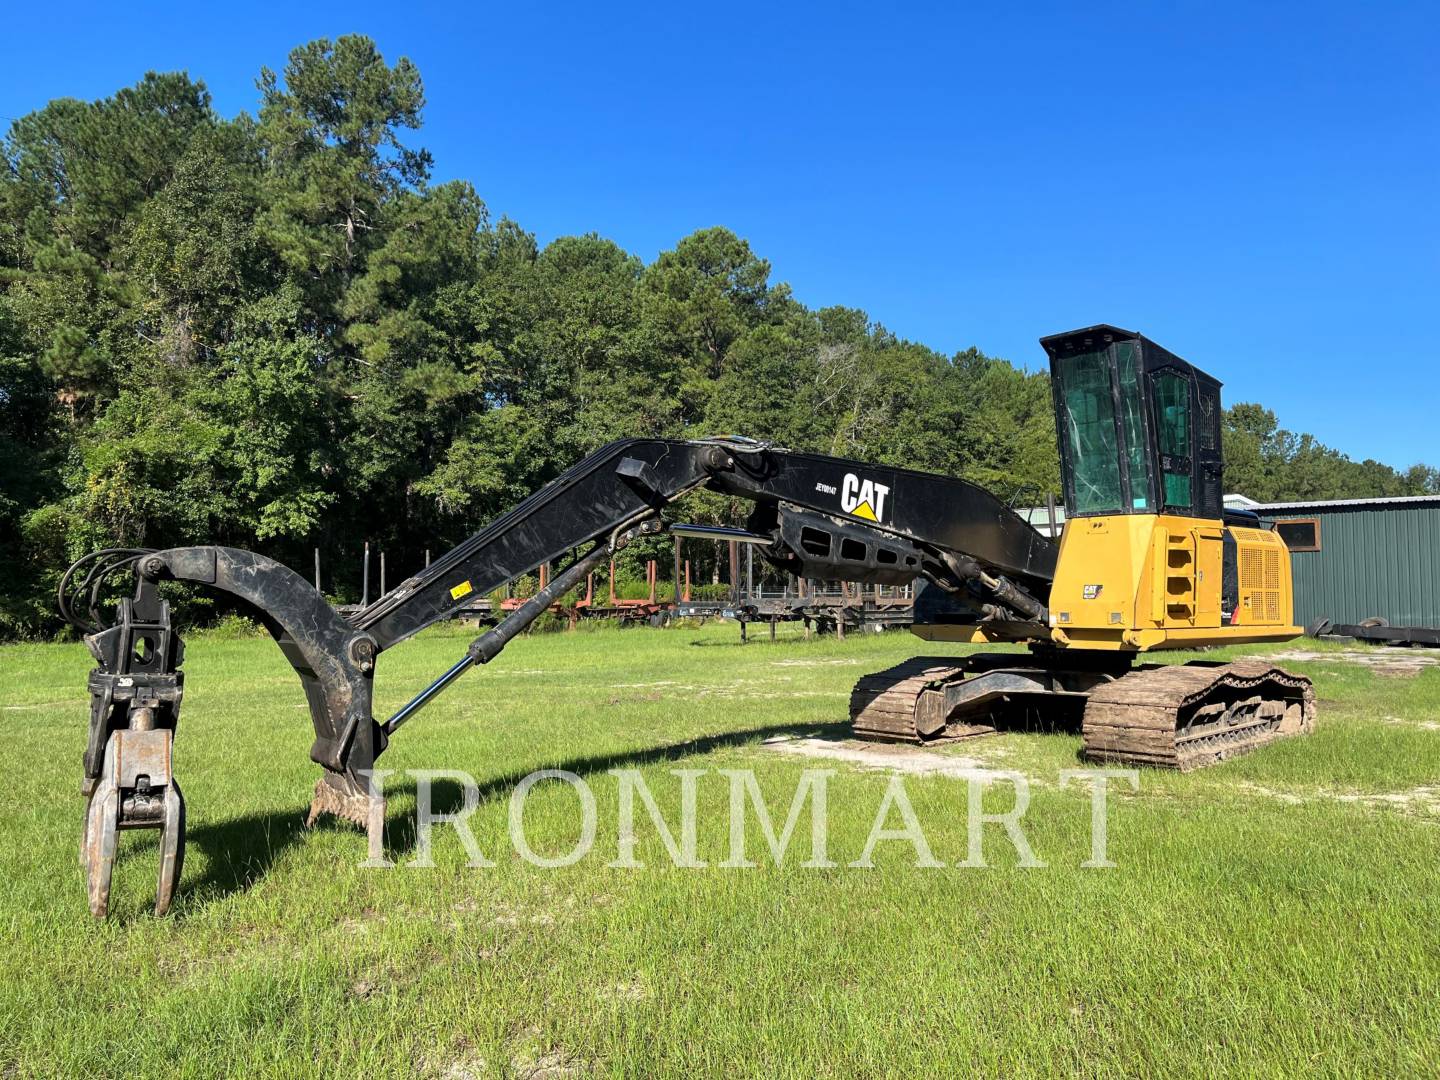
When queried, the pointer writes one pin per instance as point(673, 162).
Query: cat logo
point(863, 498)
point(1092, 592)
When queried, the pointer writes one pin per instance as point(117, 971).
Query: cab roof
point(1102, 335)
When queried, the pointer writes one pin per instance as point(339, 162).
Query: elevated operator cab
point(1139, 428)
point(1147, 560)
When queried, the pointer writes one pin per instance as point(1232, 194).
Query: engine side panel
point(1145, 581)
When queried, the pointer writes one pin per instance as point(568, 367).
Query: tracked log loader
point(1149, 560)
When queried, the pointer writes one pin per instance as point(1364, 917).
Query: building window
point(1300, 534)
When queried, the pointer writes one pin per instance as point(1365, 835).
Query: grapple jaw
point(136, 790)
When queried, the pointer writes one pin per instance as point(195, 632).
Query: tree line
point(274, 331)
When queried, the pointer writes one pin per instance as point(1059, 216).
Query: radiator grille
point(1260, 577)
point(1252, 568)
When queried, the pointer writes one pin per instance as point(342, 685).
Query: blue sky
point(1253, 185)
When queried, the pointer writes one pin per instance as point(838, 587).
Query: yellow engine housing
point(1139, 582)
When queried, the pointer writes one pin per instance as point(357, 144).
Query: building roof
point(1038, 518)
point(1343, 504)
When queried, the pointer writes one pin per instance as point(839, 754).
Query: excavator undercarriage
point(1149, 560)
point(1180, 716)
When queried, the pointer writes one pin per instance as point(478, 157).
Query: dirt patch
point(369, 917)
point(513, 915)
point(1423, 725)
point(549, 1066)
point(633, 990)
point(1384, 661)
point(1289, 798)
point(528, 1061)
point(910, 760)
point(1424, 800)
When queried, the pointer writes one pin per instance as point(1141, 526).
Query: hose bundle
point(74, 590)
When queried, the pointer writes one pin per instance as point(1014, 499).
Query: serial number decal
point(463, 589)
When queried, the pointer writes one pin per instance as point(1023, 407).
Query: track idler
point(136, 789)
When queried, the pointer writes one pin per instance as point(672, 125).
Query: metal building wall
point(1381, 561)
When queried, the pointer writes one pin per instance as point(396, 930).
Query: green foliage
point(273, 332)
point(329, 135)
point(1270, 464)
point(28, 460)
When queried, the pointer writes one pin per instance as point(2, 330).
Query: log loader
point(1149, 560)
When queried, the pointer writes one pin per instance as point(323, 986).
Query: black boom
point(819, 516)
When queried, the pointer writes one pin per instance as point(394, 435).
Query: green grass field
point(1276, 915)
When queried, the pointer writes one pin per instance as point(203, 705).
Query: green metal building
point(1356, 559)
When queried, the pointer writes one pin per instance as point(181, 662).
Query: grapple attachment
point(129, 778)
point(135, 698)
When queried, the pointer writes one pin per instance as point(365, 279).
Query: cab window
point(1172, 422)
point(1132, 420)
point(1090, 439)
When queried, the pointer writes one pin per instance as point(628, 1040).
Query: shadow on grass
point(757, 637)
point(240, 852)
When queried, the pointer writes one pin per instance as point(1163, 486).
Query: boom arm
point(631, 479)
point(819, 517)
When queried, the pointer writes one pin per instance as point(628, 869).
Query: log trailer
point(1149, 560)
